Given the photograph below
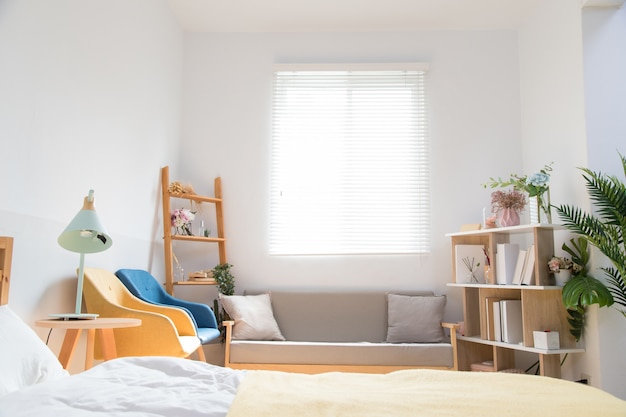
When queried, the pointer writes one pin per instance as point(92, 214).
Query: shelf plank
point(198, 238)
point(476, 339)
point(502, 286)
point(522, 228)
point(195, 197)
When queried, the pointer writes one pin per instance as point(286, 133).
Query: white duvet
point(137, 387)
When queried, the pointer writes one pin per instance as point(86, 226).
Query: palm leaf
point(605, 229)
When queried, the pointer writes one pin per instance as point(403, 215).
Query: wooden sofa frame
point(316, 368)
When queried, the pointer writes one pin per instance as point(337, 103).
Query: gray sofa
point(338, 331)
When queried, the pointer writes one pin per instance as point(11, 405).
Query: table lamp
point(85, 234)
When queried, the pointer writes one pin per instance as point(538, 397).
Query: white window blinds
point(350, 160)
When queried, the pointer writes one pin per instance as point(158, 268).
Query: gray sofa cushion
point(415, 319)
point(331, 316)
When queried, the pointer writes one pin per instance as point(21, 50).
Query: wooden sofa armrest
point(228, 326)
point(453, 327)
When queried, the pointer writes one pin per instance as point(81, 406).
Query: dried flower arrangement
point(179, 188)
point(511, 199)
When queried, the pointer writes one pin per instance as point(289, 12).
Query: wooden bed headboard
point(6, 254)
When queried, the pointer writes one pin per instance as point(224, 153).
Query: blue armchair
point(144, 286)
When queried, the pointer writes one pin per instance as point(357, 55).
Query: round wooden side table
point(104, 326)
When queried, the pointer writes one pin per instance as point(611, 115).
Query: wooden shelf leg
point(550, 365)
point(69, 346)
point(503, 358)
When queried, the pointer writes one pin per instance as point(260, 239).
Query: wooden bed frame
point(6, 255)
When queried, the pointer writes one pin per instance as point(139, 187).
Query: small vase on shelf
point(562, 277)
point(540, 208)
point(489, 278)
point(508, 217)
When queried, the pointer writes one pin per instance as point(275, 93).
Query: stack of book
point(514, 265)
point(504, 320)
point(202, 276)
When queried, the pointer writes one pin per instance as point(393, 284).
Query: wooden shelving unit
point(6, 254)
point(542, 307)
point(168, 237)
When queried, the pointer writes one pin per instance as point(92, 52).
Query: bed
point(33, 383)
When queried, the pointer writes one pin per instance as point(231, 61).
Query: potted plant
point(561, 267)
point(225, 286)
point(507, 205)
point(605, 230)
point(536, 185)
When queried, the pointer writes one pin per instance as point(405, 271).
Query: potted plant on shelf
point(536, 185)
point(507, 205)
point(561, 268)
point(604, 230)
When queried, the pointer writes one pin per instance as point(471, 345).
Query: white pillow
point(415, 319)
point(253, 316)
point(24, 358)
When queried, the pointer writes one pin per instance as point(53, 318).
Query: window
point(350, 160)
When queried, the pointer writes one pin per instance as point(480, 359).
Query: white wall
point(90, 98)
point(474, 128)
point(556, 104)
point(604, 37)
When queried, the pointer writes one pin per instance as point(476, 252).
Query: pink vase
point(508, 217)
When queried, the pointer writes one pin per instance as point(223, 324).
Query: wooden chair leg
point(201, 355)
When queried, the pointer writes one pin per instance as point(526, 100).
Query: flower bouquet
point(181, 221)
point(536, 185)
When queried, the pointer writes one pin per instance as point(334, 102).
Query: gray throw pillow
point(253, 316)
point(415, 319)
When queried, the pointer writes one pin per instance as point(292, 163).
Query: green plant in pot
point(226, 286)
point(605, 230)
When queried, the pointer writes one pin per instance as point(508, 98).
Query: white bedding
point(137, 387)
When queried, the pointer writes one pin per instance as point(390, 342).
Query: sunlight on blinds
point(350, 162)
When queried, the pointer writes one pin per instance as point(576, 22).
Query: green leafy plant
point(225, 279)
point(605, 230)
point(582, 290)
point(226, 286)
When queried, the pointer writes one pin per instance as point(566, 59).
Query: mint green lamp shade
point(84, 234)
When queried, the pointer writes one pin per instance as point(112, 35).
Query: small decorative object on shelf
point(203, 231)
point(538, 189)
point(472, 267)
point(489, 276)
point(546, 339)
point(181, 221)
point(179, 188)
point(179, 272)
point(561, 268)
point(507, 205)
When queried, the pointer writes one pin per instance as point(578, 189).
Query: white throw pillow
point(24, 359)
point(415, 319)
point(253, 316)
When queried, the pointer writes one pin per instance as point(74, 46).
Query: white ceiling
point(349, 15)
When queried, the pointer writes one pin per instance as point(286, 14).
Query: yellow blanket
point(418, 393)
